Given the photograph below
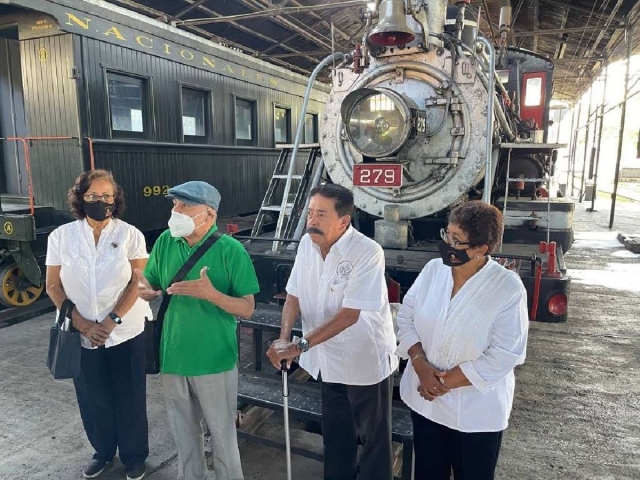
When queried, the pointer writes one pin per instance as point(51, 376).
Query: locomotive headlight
point(379, 121)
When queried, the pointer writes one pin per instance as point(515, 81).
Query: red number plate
point(377, 175)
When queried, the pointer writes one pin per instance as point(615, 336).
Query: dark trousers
point(357, 413)
point(439, 449)
point(112, 396)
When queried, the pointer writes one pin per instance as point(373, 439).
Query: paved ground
point(577, 408)
point(576, 413)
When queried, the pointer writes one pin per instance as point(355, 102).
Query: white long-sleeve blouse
point(483, 329)
point(95, 276)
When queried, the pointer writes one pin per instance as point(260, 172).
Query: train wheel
point(16, 290)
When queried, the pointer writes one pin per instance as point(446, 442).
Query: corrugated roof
point(579, 35)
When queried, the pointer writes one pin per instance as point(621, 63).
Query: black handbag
point(153, 328)
point(65, 350)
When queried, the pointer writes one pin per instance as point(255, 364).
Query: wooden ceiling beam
point(563, 24)
point(487, 15)
point(571, 60)
point(281, 43)
point(187, 9)
point(559, 31)
point(605, 28)
point(536, 24)
point(288, 55)
point(588, 11)
point(259, 35)
point(309, 34)
point(322, 19)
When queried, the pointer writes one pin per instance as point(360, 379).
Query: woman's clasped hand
point(432, 383)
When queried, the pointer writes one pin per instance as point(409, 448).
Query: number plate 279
point(377, 175)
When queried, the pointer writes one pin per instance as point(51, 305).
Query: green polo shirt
point(198, 338)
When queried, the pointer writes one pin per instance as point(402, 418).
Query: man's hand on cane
point(282, 350)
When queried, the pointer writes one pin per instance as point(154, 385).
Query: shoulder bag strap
point(186, 268)
point(65, 312)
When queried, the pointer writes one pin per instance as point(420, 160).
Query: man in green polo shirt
point(199, 350)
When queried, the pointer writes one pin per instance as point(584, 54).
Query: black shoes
point(95, 467)
point(136, 471)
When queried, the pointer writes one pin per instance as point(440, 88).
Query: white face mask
point(182, 225)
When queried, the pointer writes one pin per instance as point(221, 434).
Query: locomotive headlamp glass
point(377, 121)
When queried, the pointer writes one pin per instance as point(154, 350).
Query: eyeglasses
point(451, 241)
point(92, 197)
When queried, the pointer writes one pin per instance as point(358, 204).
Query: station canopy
point(580, 36)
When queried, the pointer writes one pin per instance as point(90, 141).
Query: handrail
point(297, 141)
point(27, 162)
point(486, 193)
point(92, 158)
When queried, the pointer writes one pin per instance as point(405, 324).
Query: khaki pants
point(213, 397)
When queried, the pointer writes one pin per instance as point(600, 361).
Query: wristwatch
point(301, 343)
point(115, 317)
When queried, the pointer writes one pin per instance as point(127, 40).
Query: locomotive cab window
point(195, 115)
point(310, 128)
point(533, 88)
point(246, 131)
point(282, 124)
point(128, 107)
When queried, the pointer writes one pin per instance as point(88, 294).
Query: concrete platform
point(576, 413)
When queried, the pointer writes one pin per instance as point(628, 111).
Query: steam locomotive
point(420, 118)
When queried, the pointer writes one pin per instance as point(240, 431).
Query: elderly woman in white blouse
point(463, 326)
point(92, 262)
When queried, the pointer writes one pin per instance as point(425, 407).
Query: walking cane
point(285, 399)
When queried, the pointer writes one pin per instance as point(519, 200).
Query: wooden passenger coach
point(91, 85)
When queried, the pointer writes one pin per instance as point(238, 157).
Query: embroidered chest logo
point(343, 271)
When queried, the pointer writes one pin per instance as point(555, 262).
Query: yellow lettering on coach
point(140, 38)
point(72, 18)
point(208, 62)
point(114, 31)
point(186, 54)
point(227, 68)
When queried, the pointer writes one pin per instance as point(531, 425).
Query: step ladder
point(546, 180)
point(285, 182)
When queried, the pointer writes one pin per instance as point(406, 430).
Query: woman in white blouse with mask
point(463, 326)
point(92, 262)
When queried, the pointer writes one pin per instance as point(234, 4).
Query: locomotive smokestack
point(392, 29)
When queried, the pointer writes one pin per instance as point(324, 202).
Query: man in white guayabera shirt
point(337, 285)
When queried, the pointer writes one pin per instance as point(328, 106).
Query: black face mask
point(452, 257)
point(98, 211)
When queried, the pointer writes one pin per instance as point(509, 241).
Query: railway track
point(11, 316)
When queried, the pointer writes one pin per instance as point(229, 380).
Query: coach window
point(195, 115)
point(128, 106)
point(246, 131)
point(282, 124)
point(311, 128)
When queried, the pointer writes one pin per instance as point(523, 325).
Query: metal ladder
point(289, 212)
point(546, 180)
